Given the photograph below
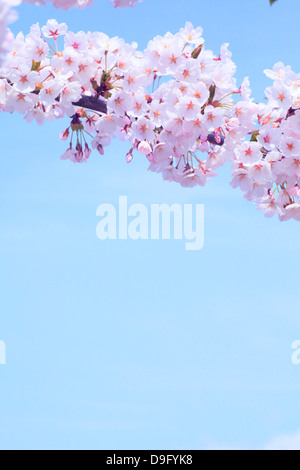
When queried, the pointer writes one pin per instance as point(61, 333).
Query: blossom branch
point(187, 125)
point(93, 103)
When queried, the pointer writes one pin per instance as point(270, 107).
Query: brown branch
point(93, 103)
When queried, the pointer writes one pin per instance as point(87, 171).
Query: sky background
point(143, 345)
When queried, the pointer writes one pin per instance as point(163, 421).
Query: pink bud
point(65, 135)
point(150, 157)
point(100, 149)
point(87, 152)
point(129, 157)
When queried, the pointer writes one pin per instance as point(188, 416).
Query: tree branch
point(93, 103)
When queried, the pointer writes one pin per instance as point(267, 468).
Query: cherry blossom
point(173, 103)
point(267, 167)
point(7, 16)
point(125, 3)
point(176, 104)
point(64, 4)
point(67, 4)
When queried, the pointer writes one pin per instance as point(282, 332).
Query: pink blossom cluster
point(67, 4)
point(267, 165)
point(125, 3)
point(42, 81)
point(63, 4)
point(7, 15)
point(175, 103)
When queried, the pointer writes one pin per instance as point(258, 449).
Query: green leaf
point(196, 52)
point(273, 1)
point(212, 92)
point(35, 66)
point(254, 136)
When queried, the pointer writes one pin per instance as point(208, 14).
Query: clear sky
point(143, 345)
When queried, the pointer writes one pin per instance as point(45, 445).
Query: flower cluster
point(67, 4)
point(7, 15)
point(63, 4)
point(175, 103)
point(125, 3)
point(267, 166)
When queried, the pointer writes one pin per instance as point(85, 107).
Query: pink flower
point(143, 129)
point(144, 148)
point(54, 30)
point(249, 152)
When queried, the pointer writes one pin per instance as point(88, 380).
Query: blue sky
point(142, 345)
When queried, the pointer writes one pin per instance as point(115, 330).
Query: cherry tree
point(176, 103)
